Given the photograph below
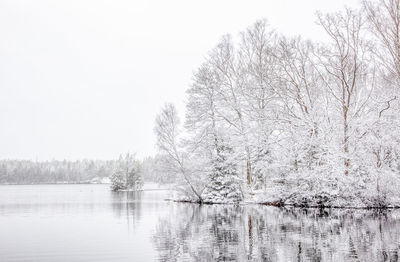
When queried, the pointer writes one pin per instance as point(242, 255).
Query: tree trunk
point(345, 142)
point(248, 169)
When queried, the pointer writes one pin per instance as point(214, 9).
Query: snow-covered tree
point(349, 76)
point(127, 174)
point(224, 182)
point(307, 123)
point(167, 130)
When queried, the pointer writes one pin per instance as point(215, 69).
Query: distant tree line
point(55, 171)
point(127, 172)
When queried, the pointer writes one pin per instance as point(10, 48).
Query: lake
point(91, 223)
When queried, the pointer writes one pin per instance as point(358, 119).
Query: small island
point(127, 174)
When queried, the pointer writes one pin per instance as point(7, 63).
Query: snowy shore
point(278, 196)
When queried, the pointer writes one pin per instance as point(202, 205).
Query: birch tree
point(231, 81)
point(168, 135)
point(383, 17)
point(257, 62)
point(347, 74)
point(303, 101)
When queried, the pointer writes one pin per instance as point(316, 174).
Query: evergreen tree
point(126, 175)
point(224, 186)
point(118, 180)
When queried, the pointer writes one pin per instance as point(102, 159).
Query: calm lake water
point(90, 223)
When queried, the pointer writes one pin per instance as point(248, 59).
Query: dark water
point(90, 223)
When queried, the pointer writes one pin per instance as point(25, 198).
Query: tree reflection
point(257, 233)
point(200, 233)
point(127, 204)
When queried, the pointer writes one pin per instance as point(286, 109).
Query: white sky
point(85, 79)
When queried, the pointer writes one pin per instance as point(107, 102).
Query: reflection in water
point(127, 204)
point(258, 233)
point(200, 233)
point(90, 223)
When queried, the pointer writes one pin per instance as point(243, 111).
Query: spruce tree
point(224, 185)
point(126, 175)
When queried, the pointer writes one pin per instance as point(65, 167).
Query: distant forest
point(33, 172)
point(79, 171)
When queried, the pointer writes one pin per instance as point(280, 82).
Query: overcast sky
point(85, 79)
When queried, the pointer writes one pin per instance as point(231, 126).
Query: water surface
point(91, 223)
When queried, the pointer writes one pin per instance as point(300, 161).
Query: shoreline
point(280, 205)
point(277, 203)
point(69, 183)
